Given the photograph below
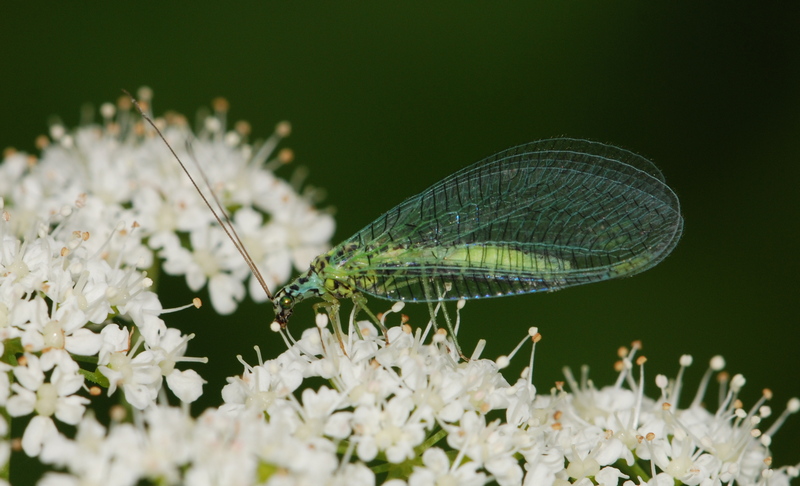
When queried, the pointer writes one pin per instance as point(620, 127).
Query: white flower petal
point(70, 409)
point(186, 385)
point(39, 430)
point(84, 342)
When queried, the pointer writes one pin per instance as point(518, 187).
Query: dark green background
point(386, 99)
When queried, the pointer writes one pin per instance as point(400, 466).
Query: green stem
point(634, 471)
point(433, 439)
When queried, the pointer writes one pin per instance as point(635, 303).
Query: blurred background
point(387, 99)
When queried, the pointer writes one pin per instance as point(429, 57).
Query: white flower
point(213, 259)
point(259, 387)
point(187, 385)
point(609, 476)
point(390, 428)
point(438, 470)
point(492, 446)
point(138, 374)
point(46, 399)
point(55, 397)
point(319, 416)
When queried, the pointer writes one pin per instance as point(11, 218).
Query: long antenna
point(224, 221)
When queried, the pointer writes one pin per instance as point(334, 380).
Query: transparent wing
point(540, 216)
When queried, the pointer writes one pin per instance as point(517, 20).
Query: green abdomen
point(455, 272)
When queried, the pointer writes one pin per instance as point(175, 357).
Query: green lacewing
point(538, 217)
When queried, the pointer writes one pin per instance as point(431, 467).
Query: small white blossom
point(139, 376)
point(439, 470)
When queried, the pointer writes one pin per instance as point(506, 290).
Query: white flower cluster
point(83, 225)
point(120, 173)
point(411, 413)
point(58, 295)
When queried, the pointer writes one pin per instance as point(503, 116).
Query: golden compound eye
point(286, 302)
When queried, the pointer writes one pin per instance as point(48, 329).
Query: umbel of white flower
point(412, 413)
point(121, 178)
point(105, 204)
